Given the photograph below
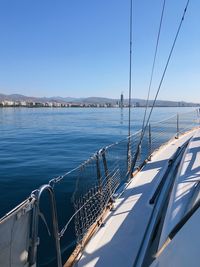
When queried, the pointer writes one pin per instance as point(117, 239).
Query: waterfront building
point(121, 104)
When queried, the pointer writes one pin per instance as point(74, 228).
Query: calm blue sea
point(39, 144)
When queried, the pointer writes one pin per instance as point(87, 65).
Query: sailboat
point(141, 204)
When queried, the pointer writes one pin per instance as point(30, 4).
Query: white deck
point(117, 242)
point(184, 187)
point(183, 250)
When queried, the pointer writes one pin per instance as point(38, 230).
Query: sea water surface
point(37, 144)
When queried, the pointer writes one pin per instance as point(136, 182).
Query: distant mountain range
point(93, 100)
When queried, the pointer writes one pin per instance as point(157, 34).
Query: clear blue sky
point(80, 48)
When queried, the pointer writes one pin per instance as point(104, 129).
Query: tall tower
point(121, 104)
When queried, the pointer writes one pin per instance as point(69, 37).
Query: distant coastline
point(16, 100)
point(89, 106)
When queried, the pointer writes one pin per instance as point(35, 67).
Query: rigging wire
point(130, 85)
point(153, 65)
point(130, 65)
point(164, 72)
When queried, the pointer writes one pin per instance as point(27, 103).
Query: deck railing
point(93, 186)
